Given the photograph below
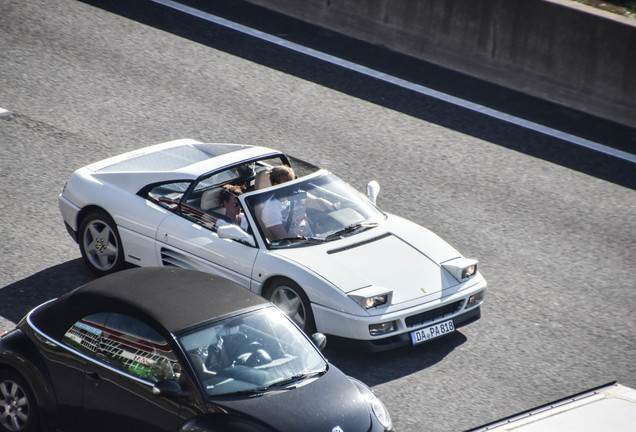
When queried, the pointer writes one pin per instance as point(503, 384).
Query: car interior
point(238, 356)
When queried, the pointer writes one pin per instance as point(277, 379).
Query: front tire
point(18, 407)
point(100, 244)
point(292, 300)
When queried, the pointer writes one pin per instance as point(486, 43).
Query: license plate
point(432, 332)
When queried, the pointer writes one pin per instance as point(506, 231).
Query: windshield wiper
point(351, 229)
point(298, 377)
point(278, 242)
point(253, 391)
point(257, 391)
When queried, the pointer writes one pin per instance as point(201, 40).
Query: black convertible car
point(160, 349)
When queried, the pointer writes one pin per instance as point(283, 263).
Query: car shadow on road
point(20, 297)
point(372, 368)
point(378, 368)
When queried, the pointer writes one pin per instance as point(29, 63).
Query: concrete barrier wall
point(555, 49)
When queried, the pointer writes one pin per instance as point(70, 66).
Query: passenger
point(233, 212)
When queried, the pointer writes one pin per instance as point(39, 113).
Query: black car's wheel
point(292, 300)
point(18, 408)
point(100, 243)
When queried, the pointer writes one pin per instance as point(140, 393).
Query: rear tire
point(18, 407)
point(292, 300)
point(100, 243)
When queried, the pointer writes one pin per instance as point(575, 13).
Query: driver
point(285, 216)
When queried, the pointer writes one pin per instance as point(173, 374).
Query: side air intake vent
point(170, 258)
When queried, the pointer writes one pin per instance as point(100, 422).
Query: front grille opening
point(433, 314)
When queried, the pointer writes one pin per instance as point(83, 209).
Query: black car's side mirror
point(320, 340)
point(170, 389)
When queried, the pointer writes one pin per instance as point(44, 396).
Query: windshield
point(251, 352)
point(320, 208)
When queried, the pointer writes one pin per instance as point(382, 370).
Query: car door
point(66, 365)
point(118, 395)
point(188, 244)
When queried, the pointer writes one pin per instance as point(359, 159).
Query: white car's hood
point(383, 257)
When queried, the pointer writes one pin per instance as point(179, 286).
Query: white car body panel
point(69, 211)
point(135, 180)
point(343, 324)
point(138, 249)
point(380, 257)
point(397, 256)
point(273, 264)
point(224, 257)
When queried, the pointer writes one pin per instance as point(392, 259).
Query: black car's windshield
point(320, 208)
point(252, 352)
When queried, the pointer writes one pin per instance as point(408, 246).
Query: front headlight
point(381, 413)
point(371, 302)
point(371, 297)
point(461, 268)
point(374, 404)
point(469, 271)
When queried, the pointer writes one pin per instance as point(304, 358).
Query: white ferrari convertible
point(344, 267)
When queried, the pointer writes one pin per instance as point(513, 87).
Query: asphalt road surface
point(553, 224)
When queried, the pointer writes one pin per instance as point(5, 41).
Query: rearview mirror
point(234, 232)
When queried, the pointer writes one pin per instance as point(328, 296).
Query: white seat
point(210, 201)
point(262, 180)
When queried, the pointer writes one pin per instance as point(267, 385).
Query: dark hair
point(280, 173)
point(228, 191)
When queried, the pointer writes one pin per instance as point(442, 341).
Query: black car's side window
point(85, 335)
point(126, 344)
point(135, 348)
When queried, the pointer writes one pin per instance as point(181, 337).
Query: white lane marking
point(400, 82)
point(3, 111)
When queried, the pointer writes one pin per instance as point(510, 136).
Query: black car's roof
point(174, 298)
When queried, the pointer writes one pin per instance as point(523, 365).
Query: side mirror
point(170, 389)
point(373, 189)
point(234, 232)
point(320, 340)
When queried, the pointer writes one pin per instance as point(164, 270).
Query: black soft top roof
point(173, 298)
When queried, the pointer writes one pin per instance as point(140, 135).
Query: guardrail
point(558, 50)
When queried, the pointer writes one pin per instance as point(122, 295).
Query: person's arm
point(271, 219)
point(277, 232)
point(314, 202)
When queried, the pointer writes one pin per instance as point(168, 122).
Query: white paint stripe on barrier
point(400, 82)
